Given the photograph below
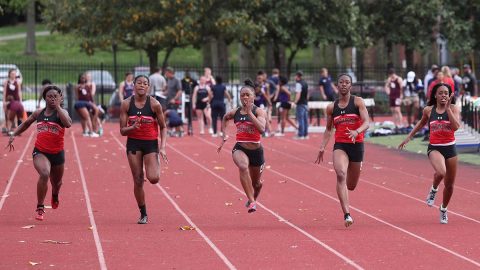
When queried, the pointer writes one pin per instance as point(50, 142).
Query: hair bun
point(249, 82)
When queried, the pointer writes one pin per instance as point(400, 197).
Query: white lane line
point(185, 216)
point(96, 237)
point(12, 176)
point(425, 179)
point(313, 238)
point(373, 184)
point(373, 217)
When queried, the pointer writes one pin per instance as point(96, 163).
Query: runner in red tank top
point(442, 117)
point(48, 154)
point(140, 118)
point(349, 116)
point(247, 152)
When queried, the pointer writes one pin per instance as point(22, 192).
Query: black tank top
point(238, 117)
point(51, 118)
point(201, 94)
point(145, 111)
point(350, 109)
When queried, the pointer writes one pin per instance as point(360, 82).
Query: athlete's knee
point(440, 174)
point(448, 186)
point(243, 168)
point(153, 179)
point(138, 180)
point(341, 175)
point(44, 174)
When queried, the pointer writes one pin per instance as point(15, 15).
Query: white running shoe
point(348, 220)
point(214, 135)
point(431, 196)
point(210, 130)
point(94, 135)
point(443, 215)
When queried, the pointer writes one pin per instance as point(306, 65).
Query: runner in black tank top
point(441, 116)
point(349, 116)
point(200, 102)
point(48, 154)
point(140, 117)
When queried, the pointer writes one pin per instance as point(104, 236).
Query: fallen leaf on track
point(56, 242)
point(33, 263)
point(218, 168)
point(187, 228)
point(268, 167)
point(177, 173)
point(377, 168)
point(28, 227)
point(282, 181)
point(90, 228)
point(228, 204)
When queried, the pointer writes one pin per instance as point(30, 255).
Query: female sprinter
point(441, 116)
point(200, 102)
point(349, 116)
point(283, 96)
point(248, 152)
point(140, 117)
point(48, 153)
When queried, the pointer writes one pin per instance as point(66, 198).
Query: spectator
point(207, 73)
point(125, 90)
point(273, 82)
point(262, 98)
point(188, 84)
point(218, 94)
point(12, 100)
point(200, 102)
point(158, 87)
point(174, 87)
point(393, 87)
point(283, 96)
point(96, 110)
point(457, 80)
point(174, 122)
point(45, 82)
point(470, 87)
point(84, 105)
point(431, 74)
point(411, 89)
point(301, 100)
point(328, 90)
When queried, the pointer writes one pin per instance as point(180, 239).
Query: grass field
point(419, 146)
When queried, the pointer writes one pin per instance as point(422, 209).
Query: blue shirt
point(218, 93)
point(326, 82)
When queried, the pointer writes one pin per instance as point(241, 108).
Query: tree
point(27, 6)
point(148, 25)
point(407, 22)
point(299, 24)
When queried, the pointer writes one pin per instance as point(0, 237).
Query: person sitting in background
point(411, 88)
point(174, 122)
point(125, 89)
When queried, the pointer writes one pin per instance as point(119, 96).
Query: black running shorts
point(354, 151)
point(255, 157)
point(447, 151)
point(55, 159)
point(143, 146)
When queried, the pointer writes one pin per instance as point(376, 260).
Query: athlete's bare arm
point(327, 134)
point(124, 129)
point(157, 109)
point(425, 116)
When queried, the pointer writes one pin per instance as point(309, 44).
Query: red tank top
point(246, 130)
point(346, 118)
point(441, 132)
point(50, 133)
point(149, 127)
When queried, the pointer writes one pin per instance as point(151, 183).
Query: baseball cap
point(299, 73)
point(410, 76)
point(466, 66)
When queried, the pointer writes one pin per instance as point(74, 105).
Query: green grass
point(418, 146)
point(19, 28)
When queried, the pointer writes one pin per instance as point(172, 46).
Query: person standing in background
point(301, 100)
point(393, 88)
point(158, 87)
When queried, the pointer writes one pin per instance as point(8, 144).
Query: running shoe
point(348, 220)
point(210, 130)
point(94, 135)
point(85, 134)
point(39, 216)
point(443, 215)
point(143, 220)
point(55, 203)
point(431, 196)
point(251, 207)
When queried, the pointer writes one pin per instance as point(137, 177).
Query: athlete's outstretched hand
point(163, 154)
point(320, 155)
point(352, 134)
point(404, 143)
point(224, 139)
point(10, 144)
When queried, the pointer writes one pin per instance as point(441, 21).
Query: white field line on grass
point(389, 168)
point(185, 216)
point(311, 237)
point(12, 176)
point(96, 237)
point(373, 217)
point(373, 184)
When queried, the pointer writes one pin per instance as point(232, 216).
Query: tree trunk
point(30, 47)
point(222, 56)
point(279, 56)
point(248, 61)
point(290, 61)
point(409, 57)
point(167, 55)
point(269, 59)
point(207, 53)
point(338, 58)
point(152, 54)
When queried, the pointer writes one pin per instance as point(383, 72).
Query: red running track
point(298, 225)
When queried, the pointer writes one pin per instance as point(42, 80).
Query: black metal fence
point(471, 114)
